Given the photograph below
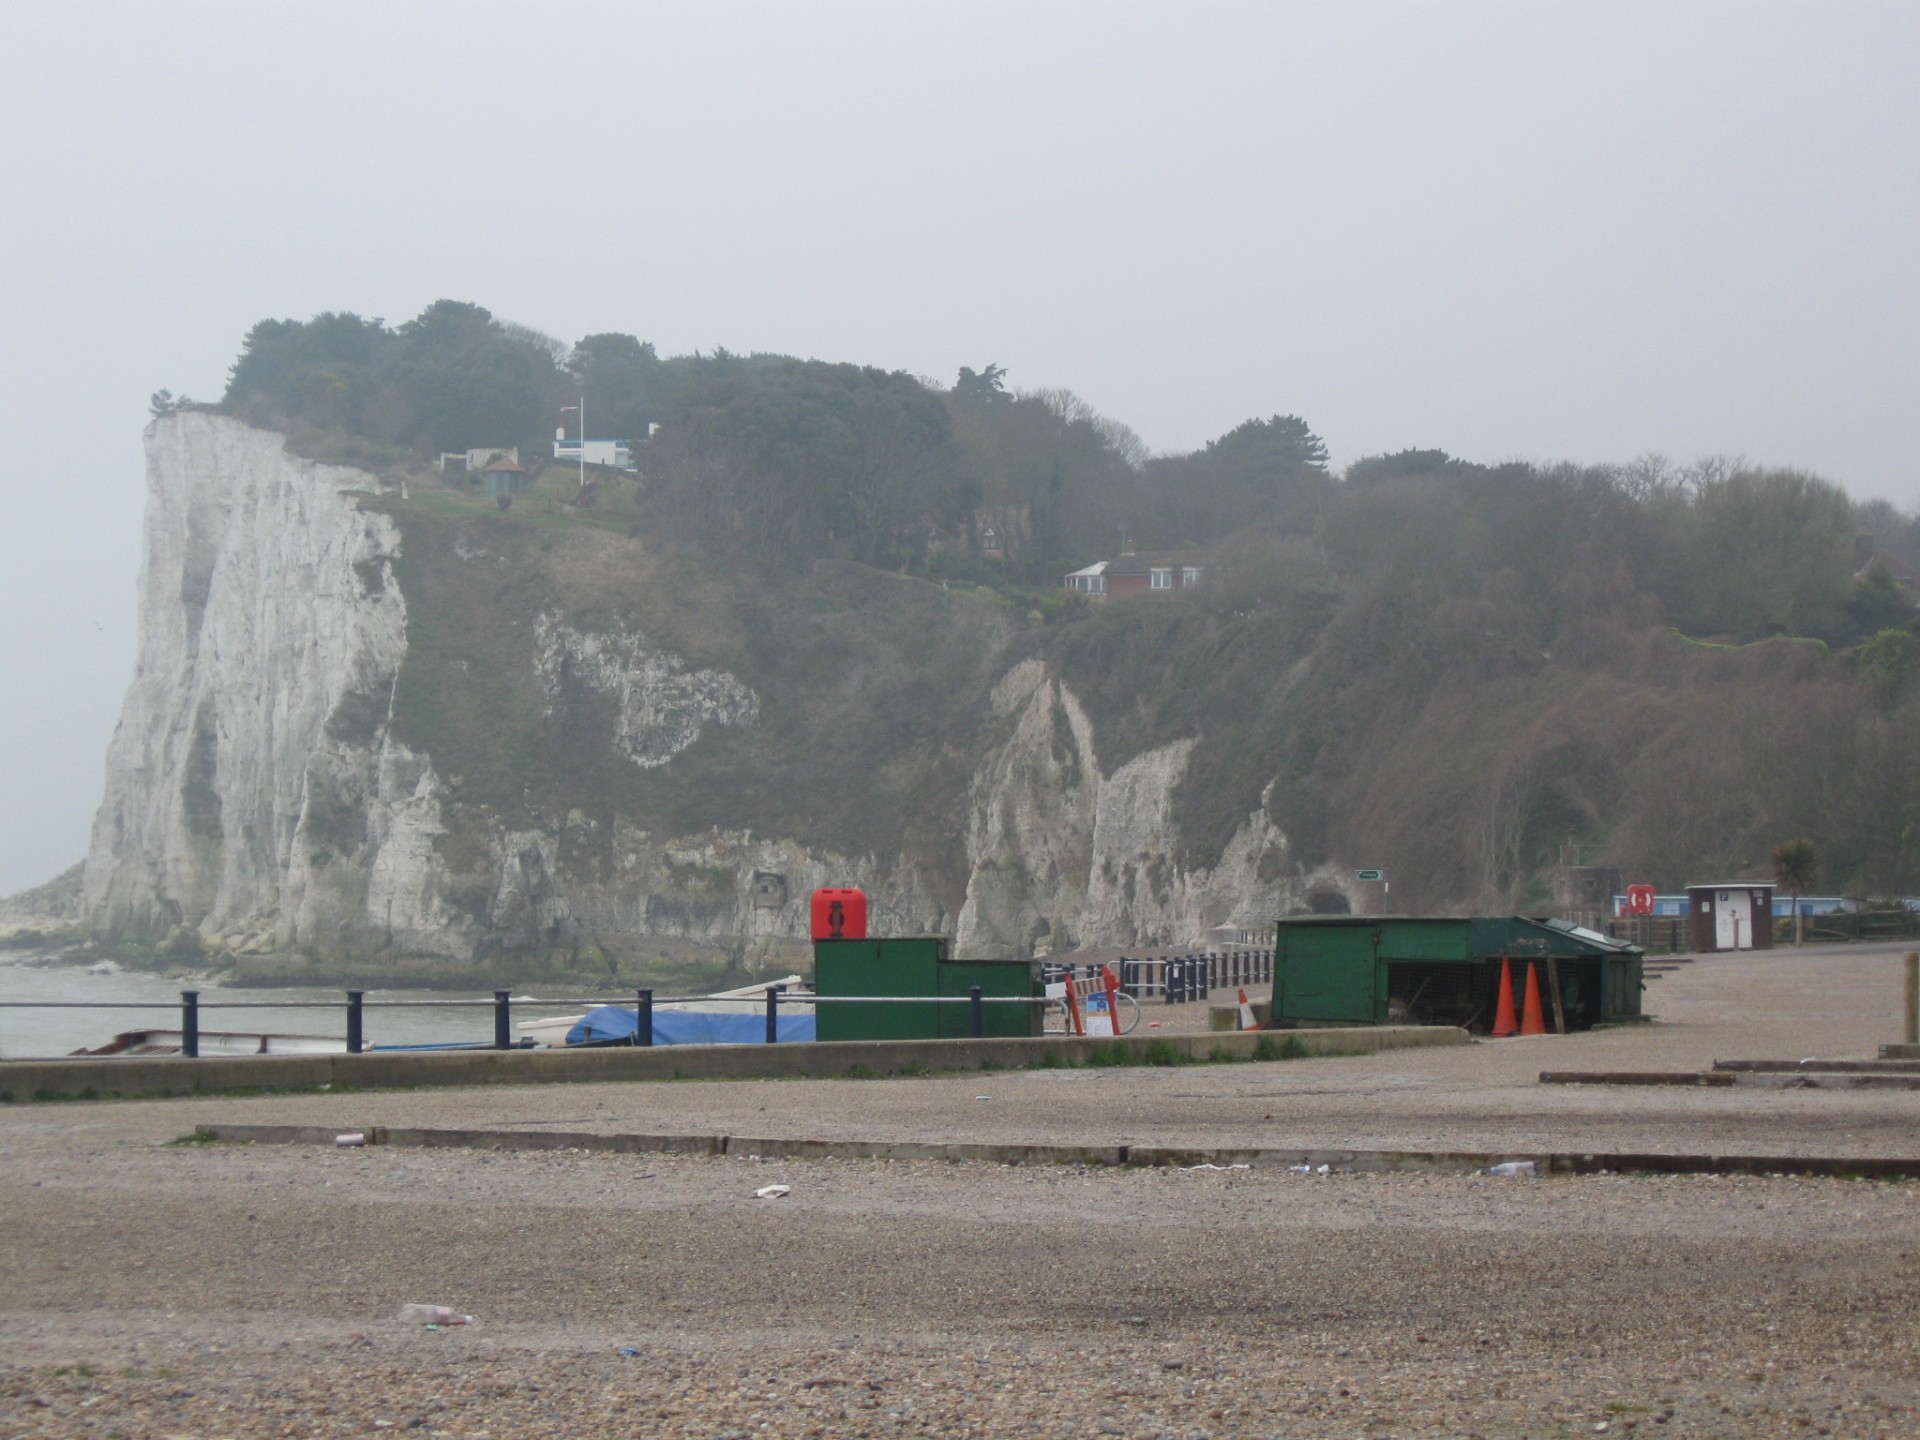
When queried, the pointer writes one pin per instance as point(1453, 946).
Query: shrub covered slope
point(1446, 669)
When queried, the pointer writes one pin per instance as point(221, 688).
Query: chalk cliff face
point(660, 705)
point(252, 740)
point(1062, 856)
point(260, 796)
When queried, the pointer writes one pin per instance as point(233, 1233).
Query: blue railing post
point(1206, 977)
point(356, 1018)
point(974, 1007)
point(190, 1024)
point(773, 1013)
point(643, 1031)
point(502, 1020)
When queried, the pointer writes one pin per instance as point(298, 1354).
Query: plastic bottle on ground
point(432, 1315)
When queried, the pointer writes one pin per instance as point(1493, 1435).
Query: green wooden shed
point(917, 965)
point(1382, 969)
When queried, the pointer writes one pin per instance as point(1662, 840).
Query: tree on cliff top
point(789, 457)
point(625, 385)
point(451, 378)
point(1269, 452)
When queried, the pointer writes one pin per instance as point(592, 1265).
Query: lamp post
point(582, 408)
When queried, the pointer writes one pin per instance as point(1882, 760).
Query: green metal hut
point(914, 966)
point(1382, 969)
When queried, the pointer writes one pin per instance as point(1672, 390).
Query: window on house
point(1189, 576)
point(1162, 577)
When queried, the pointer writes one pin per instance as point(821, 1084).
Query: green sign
point(1368, 875)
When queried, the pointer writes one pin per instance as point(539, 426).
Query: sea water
point(146, 1001)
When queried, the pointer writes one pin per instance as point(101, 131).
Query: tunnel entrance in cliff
point(1326, 900)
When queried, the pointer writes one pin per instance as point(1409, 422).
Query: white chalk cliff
point(1063, 856)
point(257, 797)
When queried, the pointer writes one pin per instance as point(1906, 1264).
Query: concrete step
point(1304, 1160)
point(1720, 1079)
point(1820, 1067)
point(1635, 1077)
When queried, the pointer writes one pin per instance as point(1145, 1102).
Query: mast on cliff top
point(582, 408)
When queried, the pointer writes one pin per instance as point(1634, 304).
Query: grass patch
point(1158, 1053)
point(1269, 1048)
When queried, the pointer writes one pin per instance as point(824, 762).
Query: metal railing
point(1177, 979)
point(191, 1005)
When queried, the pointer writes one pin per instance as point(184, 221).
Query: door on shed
point(1330, 973)
point(1732, 920)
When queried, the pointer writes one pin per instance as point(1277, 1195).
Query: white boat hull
point(219, 1042)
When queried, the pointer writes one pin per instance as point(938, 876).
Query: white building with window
point(1090, 581)
point(615, 454)
point(1131, 574)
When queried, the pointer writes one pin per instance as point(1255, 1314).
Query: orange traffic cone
point(1532, 1022)
point(1503, 1022)
point(1247, 1021)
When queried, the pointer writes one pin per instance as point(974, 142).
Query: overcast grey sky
point(1583, 231)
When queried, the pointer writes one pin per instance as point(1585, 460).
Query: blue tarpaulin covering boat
point(612, 1025)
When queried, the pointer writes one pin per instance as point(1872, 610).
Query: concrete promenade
point(86, 1078)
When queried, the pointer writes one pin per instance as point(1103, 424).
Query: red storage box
point(839, 915)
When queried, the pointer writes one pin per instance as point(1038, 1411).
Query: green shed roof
point(1476, 935)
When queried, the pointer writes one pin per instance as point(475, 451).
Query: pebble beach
point(158, 1288)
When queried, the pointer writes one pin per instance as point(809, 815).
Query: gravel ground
point(216, 1290)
